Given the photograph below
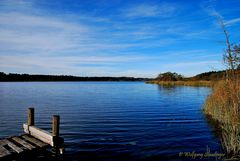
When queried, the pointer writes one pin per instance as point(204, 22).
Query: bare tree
point(231, 56)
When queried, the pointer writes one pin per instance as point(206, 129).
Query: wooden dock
point(34, 139)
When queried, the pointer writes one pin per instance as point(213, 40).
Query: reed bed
point(182, 83)
point(223, 105)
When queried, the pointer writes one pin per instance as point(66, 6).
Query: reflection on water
point(113, 120)
point(164, 89)
point(214, 126)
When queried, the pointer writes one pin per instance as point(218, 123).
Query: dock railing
point(35, 139)
point(52, 139)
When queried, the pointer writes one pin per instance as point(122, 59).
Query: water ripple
point(113, 121)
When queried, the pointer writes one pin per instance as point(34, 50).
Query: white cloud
point(232, 21)
point(53, 61)
point(195, 64)
point(146, 10)
point(25, 20)
point(23, 32)
point(45, 34)
point(210, 7)
point(78, 65)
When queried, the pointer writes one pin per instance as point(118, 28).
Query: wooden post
point(55, 125)
point(30, 116)
point(55, 134)
point(52, 139)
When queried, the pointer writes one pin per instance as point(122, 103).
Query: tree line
point(207, 76)
point(13, 77)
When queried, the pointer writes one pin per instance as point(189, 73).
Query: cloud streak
point(147, 10)
point(82, 66)
point(232, 21)
point(22, 32)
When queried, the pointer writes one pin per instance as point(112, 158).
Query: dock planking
point(11, 145)
point(20, 144)
point(34, 139)
point(4, 152)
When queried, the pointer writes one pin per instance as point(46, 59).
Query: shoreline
point(201, 83)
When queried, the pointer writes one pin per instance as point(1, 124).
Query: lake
point(111, 121)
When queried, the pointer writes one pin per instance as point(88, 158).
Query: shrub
point(168, 76)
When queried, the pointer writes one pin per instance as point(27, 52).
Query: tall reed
point(223, 105)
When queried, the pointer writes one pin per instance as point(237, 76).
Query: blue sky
point(115, 37)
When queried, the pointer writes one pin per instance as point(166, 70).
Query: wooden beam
point(38, 133)
point(52, 139)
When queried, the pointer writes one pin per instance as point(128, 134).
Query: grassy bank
point(223, 105)
point(182, 83)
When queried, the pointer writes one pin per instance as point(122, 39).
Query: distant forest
point(210, 76)
point(12, 77)
point(207, 76)
point(168, 76)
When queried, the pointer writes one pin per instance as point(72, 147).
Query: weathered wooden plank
point(4, 152)
point(13, 146)
point(3, 142)
point(34, 141)
point(23, 143)
point(38, 133)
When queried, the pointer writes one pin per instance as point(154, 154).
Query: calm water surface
point(110, 121)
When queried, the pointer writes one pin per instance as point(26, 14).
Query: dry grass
point(223, 105)
point(182, 83)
